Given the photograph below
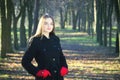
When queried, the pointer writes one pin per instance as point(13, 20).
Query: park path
point(85, 63)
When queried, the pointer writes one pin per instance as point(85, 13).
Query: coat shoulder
point(33, 40)
point(56, 38)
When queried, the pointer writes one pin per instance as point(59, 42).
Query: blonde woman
point(45, 48)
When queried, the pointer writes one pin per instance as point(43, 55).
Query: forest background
point(99, 19)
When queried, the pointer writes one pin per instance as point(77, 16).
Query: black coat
point(48, 55)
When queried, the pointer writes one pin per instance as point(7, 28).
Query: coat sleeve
point(62, 57)
point(28, 57)
point(63, 60)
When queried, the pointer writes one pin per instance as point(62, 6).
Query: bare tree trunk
point(9, 22)
point(117, 11)
point(61, 18)
point(104, 22)
point(74, 18)
point(15, 39)
point(30, 17)
point(99, 22)
point(110, 10)
point(22, 27)
point(35, 21)
point(6, 27)
point(3, 23)
point(15, 21)
point(79, 20)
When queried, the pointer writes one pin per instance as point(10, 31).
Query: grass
point(76, 37)
point(72, 36)
point(80, 41)
point(4, 75)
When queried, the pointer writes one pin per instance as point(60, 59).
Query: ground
point(86, 61)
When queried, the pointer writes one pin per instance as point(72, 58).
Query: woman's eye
point(45, 23)
point(51, 24)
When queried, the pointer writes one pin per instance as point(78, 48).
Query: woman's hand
point(43, 73)
point(63, 71)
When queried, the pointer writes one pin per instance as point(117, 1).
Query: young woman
point(45, 48)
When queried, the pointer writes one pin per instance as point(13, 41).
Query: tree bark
point(36, 12)
point(105, 21)
point(110, 10)
point(30, 17)
point(22, 27)
point(99, 22)
point(6, 27)
point(117, 11)
point(15, 21)
point(3, 24)
point(61, 18)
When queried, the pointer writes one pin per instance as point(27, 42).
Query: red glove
point(39, 73)
point(63, 71)
point(43, 73)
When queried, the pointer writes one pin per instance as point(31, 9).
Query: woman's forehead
point(48, 20)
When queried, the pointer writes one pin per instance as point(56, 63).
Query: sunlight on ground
point(77, 38)
point(71, 34)
point(4, 75)
point(98, 68)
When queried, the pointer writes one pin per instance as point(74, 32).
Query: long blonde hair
point(40, 25)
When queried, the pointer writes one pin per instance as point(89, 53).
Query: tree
point(104, 7)
point(90, 17)
point(35, 20)
point(22, 25)
point(99, 21)
point(110, 10)
point(62, 7)
point(30, 16)
point(6, 11)
point(117, 11)
point(75, 10)
point(16, 9)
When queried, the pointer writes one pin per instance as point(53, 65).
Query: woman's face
point(48, 25)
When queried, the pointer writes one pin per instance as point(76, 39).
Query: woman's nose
point(49, 25)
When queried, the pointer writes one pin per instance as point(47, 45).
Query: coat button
point(53, 59)
point(55, 71)
point(44, 49)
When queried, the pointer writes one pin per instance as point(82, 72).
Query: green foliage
point(80, 40)
point(4, 76)
point(73, 36)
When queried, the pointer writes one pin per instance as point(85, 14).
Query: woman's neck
point(46, 35)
